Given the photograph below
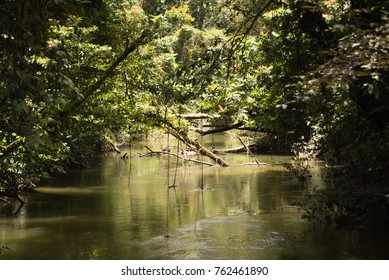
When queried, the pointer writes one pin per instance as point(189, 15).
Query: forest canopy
point(77, 76)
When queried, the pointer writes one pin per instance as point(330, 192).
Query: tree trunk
point(199, 147)
point(248, 151)
point(107, 74)
point(219, 129)
point(232, 150)
point(181, 135)
point(178, 156)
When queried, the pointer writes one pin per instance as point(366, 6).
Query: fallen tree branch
point(237, 126)
point(112, 145)
point(199, 147)
point(218, 130)
point(181, 135)
point(232, 150)
point(175, 155)
point(248, 150)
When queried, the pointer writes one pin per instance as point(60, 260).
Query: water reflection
point(121, 209)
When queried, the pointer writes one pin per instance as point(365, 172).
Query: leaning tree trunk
point(182, 135)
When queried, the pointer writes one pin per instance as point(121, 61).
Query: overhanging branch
point(4, 152)
point(107, 73)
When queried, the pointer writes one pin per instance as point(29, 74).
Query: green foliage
point(46, 65)
point(299, 168)
point(347, 104)
point(347, 203)
point(313, 73)
point(300, 163)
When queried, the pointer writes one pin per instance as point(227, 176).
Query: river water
point(123, 209)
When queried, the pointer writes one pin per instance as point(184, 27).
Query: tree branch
point(4, 152)
point(248, 150)
point(107, 74)
point(183, 136)
point(194, 116)
point(237, 126)
point(219, 129)
point(178, 156)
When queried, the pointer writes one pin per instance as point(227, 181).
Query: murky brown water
point(121, 209)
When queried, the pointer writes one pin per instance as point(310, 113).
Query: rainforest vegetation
point(79, 76)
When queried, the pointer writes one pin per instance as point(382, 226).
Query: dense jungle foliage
point(79, 75)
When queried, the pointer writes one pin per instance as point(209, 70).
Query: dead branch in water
point(218, 129)
point(182, 135)
point(232, 150)
point(151, 153)
point(248, 150)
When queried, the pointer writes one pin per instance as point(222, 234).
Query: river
point(123, 209)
